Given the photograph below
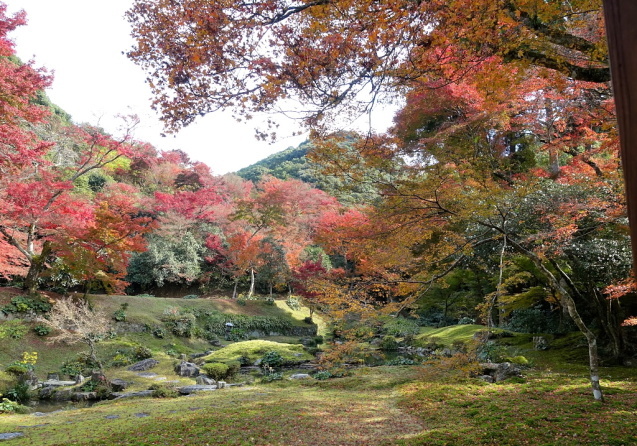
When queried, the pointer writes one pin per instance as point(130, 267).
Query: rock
point(84, 396)
point(57, 383)
point(215, 343)
point(487, 378)
point(300, 376)
point(10, 435)
point(118, 385)
point(143, 365)
point(141, 393)
point(502, 371)
point(200, 355)
point(506, 370)
point(540, 343)
point(79, 379)
point(187, 369)
point(53, 376)
point(221, 384)
point(205, 381)
point(187, 390)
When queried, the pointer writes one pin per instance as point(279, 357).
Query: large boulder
point(500, 372)
point(187, 390)
point(118, 385)
point(203, 380)
point(187, 369)
point(143, 365)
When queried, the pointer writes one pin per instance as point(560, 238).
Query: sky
point(82, 41)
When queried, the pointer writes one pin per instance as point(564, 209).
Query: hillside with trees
point(477, 252)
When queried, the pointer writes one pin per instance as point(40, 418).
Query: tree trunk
point(93, 354)
point(37, 266)
point(251, 292)
point(569, 303)
point(234, 291)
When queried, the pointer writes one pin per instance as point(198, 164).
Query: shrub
point(388, 344)
point(322, 375)
point(81, 365)
point(41, 330)
point(120, 315)
point(401, 360)
point(7, 406)
point(293, 303)
point(163, 391)
point(466, 321)
point(216, 370)
point(178, 322)
point(191, 296)
point(19, 393)
point(16, 369)
point(13, 329)
point(158, 332)
point(399, 326)
point(272, 359)
point(140, 352)
point(24, 304)
point(274, 376)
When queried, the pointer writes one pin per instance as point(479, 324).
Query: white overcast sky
point(82, 42)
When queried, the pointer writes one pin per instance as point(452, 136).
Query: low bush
point(24, 304)
point(41, 330)
point(216, 370)
point(388, 344)
point(13, 329)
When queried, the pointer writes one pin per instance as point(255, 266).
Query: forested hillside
point(496, 198)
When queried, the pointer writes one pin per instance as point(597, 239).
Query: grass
point(257, 348)
point(140, 311)
point(448, 335)
point(422, 405)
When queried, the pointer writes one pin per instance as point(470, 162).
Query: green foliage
point(268, 377)
point(120, 314)
point(180, 323)
point(191, 296)
point(19, 393)
point(272, 359)
point(215, 323)
point(41, 330)
point(399, 326)
point(401, 360)
point(8, 406)
point(13, 329)
point(176, 260)
point(216, 370)
point(163, 391)
point(388, 343)
point(322, 375)
point(536, 320)
point(82, 364)
point(25, 304)
point(293, 302)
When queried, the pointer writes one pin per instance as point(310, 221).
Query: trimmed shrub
point(388, 344)
point(216, 370)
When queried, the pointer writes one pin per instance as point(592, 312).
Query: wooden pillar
point(621, 30)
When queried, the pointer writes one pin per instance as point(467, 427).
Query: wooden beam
point(621, 30)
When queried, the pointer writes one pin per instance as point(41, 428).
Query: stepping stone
point(142, 415)
point(10, 435)
point(111, 417)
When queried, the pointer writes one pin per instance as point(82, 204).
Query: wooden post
point(621, 31)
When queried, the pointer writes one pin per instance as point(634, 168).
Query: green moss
point(253, 350)
point(448, 335)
